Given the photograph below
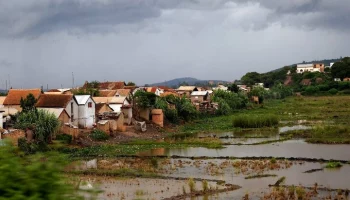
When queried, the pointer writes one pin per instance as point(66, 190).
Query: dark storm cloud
point(36, 17)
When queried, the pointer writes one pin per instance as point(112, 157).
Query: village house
point(108, 85)
point(101, 108)
point(199, 96)
point(123, 93)
point(14, 96)
point(313, 67)
point(59, 91)
point(347, 79)
point(186, 90)
point(86, 109)
point(60, 114)
point(107, 93)
point(221, 87)
point(1, 119)
point(115, 103)
point(154, 90)
point(57, 102)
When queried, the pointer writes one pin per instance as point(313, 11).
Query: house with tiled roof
point(14, 96)
point(56, 102)
point(107, 93)
point(108, 85)
point(154, 90)
point(123, 92)
point(113, 102)
point(186, 90)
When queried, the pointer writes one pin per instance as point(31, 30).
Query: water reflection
point(288, 149)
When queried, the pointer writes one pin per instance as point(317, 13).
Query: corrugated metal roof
point(199, 93)
point(82, 99)
point(56, 111)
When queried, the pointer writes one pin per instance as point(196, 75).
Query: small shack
point(158, 117)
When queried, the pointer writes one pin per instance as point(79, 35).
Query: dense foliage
point(184, 109)
point(255, 121)
point(43, 123)
point(341, 69)
point(98, 135)
point(144, 99)
point(28, 104)
point(229, 101)
point(32, 177)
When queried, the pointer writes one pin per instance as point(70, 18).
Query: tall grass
point(246, 121)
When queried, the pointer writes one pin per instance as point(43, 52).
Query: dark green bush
point(333, 91)
point(255, 121)
point(33, 147)
point(171, 115)
point(311, 90)
point(98, 135)
point(65, 138)
point(32, 177)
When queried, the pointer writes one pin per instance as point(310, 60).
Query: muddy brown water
point(330, 178)
point(286, 149)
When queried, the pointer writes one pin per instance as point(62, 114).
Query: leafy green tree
point(36, 177)
point(28, 104)
point(341, 69)
point(233, 88)
point(251, 78)
point(229, 101)
point(131, 84)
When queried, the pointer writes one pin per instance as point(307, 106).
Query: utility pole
point(72, 80)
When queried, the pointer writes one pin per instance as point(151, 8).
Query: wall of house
point(64, 118)
point(144, 114)
point(127, 115)
point(74, 132)
point(105, 108)
point(75, 118)
point(17, 107)
point(120, 123)
point(197, 98)
point(1, 121)
point(87, 115)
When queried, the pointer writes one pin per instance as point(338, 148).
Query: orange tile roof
point(107, 93)
point(124, 92)
point(109, 85)
point(14, 96)
point(169, 93)
point(54, 100)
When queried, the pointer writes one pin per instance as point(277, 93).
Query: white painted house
point(65, 101)
point(86, 110)
point(1, 119)
point(313, 67)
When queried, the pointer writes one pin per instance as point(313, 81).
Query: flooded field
point(286, 149)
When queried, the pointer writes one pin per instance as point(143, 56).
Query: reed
point(249, 121)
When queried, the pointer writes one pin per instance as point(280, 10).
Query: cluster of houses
point(113, 104)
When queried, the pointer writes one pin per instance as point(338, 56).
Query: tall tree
point(341, 69)
point(28, 104)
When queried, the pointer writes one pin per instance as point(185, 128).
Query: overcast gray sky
point(43, 41)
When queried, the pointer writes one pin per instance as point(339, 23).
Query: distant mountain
point(190, 81)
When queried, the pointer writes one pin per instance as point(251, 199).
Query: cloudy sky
point(43, 41)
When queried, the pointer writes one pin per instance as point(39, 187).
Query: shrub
point(205, 185)
point(45, 124)
point(311, 90)
point(333, 91)
point(191, 185)
point(255, 121)
point(333, 165)
point(32, 177)
point(98, 135)
point(65, 138)
point(171, 115)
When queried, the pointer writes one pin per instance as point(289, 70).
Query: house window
point(89, 105)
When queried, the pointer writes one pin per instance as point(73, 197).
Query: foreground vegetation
point(327, 134)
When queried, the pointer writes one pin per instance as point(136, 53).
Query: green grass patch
point(249, 121)
point(332, 165)
point(137, 146)
point(328, 134)
point(260, 176)
point(124, 172)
